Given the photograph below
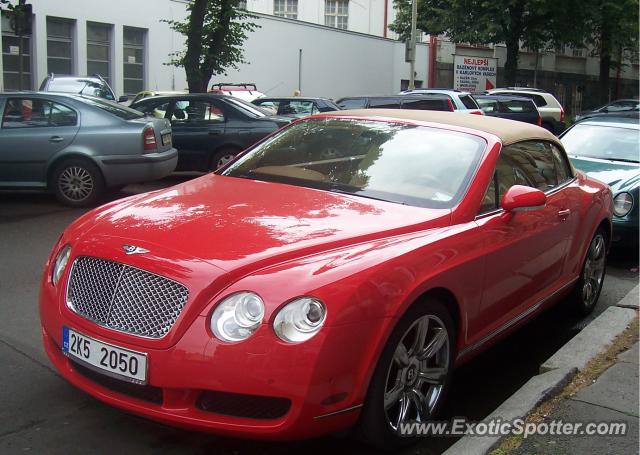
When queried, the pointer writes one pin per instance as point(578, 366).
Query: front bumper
point(319, 379)
point(625, 233)
point(127, 169)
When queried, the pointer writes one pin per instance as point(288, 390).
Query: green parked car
point(607, 148)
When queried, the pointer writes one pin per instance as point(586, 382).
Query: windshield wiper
point(334, 189)
point(624, 160)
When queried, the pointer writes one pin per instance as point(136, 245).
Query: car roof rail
point(438, 89)
point(246, 85)
point(529, 89)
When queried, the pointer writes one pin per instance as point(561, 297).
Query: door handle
point(564, 213)
point(56, 139)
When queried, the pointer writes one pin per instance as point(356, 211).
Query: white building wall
point(335, 63)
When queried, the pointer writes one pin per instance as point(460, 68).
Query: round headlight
point(237, 316)
point(300, 319)
point(622, 204)
point(60, 264)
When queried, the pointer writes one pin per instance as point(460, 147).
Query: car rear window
point(488, 106)
point(384, 103)
point(437, 104)
point(517, 107)
point(469, 102)
point(405, 164)
point(246, 107)
point(538, 99)
point(352, 103)
point(118, 110)
point(80, 86)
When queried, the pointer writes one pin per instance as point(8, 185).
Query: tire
point(396, 384)
point(589, 285)
point(222, 157)
point(77, 182)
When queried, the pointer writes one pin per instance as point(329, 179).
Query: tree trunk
point(511, 65)
point(605, 65)
point(195, 79)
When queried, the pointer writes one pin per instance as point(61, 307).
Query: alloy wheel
point(76, 183)
point(593, 272)
point(417, 374)
point(224, 159)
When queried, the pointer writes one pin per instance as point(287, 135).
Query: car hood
point(620, 176)
point(235, 223)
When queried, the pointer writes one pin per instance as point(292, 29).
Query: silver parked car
point(79, 146)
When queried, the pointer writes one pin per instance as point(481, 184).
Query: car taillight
point(149, 139)
point(539, 122)
point(561, 114)
point(451, 108)
point(476, 112)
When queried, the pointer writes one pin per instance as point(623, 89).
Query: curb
point(556, 372)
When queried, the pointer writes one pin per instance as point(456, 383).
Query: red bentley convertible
point(332, 276)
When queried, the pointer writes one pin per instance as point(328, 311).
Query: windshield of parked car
point(602, 141)
point(118, 110)
point(247, 108)
point(80, 86)
point(407, 164)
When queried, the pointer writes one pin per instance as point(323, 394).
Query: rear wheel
point(412, 377)
point(589, 285)
point(222, 157)
point(77, 182)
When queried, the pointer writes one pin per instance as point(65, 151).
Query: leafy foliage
point(215, 31)
point(532, 23)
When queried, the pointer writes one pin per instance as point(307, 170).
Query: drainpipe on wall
point(433, 54)
point(386, 17)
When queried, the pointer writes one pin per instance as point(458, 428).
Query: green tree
point(215, 31)
point(612, 30)
point(532, 23)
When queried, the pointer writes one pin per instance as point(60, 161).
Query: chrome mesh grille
point(124, 298)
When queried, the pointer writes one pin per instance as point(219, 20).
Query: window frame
point(44, 100)
point(332, 14)
point(70, 40)
point(559, 185)
point(106, 44)
point(289, 9)
point(142, 47)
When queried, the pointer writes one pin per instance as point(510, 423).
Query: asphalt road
point(41, 413)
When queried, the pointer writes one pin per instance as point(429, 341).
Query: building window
point(99, 49)
point(336, 13)
point(134, 42)
point(11, 50)
point(60, 45)
point(286, 8)
point(242, 4)
point(577, 52)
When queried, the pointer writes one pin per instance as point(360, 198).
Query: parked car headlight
point(237, 316)
point(60, 263)
point(300, 319)
point(622, 204)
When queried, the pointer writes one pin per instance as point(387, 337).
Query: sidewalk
point(613, 397)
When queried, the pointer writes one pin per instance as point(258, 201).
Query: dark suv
point(80, 85)
point(209, 130)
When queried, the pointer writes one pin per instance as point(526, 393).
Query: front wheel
point(589, 285)
point(222, 157)
point(412, 377)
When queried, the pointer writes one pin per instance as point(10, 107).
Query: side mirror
point(521, 198)
point(123, 99)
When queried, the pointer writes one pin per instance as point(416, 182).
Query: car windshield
point(399, 163)
point(247, 108)
point(81, 86)
point(118, 110)
point(602, 141)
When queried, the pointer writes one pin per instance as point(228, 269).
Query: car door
point(32, 131)
point(526, 251)
point(198, 126)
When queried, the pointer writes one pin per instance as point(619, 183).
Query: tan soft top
point(508, 131)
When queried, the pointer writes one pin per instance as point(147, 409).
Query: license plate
point(106, 358)
point(166, 139)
